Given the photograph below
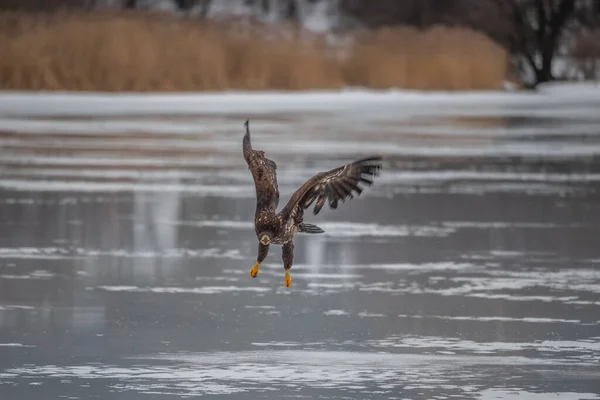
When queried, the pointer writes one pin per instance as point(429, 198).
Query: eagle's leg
point(263, 250)
point(288, 259)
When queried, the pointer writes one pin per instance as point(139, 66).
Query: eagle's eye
point(265, 239)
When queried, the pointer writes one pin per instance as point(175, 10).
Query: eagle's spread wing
point(264, 174)
point(332, 186)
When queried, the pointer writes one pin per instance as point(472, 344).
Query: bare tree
point(584, 42)
point(185, 5)
point(417, 13)
point(203, 6)
point(284, 9)
point(538, 27)
point(40, 5)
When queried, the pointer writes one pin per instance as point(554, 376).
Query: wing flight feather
point(332, 187)
point(264, 173)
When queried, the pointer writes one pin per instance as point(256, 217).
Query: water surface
point(470, 269)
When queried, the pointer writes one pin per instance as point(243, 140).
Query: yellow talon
point(287, 278)
point(254, 270)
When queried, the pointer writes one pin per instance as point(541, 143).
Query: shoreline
point(77, 103)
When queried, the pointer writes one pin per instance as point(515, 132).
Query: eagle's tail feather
point(310, 228)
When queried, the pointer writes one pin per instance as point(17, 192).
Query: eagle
point(274, 227)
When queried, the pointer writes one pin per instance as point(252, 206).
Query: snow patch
point(336, 312)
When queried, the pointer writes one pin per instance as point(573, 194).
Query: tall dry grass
point(142, 52)
point(438, 58)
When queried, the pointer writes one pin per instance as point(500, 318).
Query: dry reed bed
point(142, 52)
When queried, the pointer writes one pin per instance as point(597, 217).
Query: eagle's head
point(264, 238)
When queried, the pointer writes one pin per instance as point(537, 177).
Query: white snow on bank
point(570, 88)
point(22, 103)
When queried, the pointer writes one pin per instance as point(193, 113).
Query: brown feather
point(332, 186)
point(264, 173)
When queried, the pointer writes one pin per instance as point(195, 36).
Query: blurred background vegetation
point(177, 45)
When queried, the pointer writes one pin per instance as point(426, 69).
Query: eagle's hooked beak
point(265, 239)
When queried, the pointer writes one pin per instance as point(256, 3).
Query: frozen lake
point(470, 270)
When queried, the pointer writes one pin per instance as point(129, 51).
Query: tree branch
point(559, 17)
point(541, 21)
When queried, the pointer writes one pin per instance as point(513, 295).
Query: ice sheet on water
point(113, 173)
point(491, 282)
point(77, 162)
point(365, 314)
point(94, 127)
point(568, 347)
point(16, 307)
point(44, 253)
point(357, 373)
point(238, 183)
point(243, 191)
point(575, 286)
point(350, 148)
point(426, 176)
point(288, 177)
point(53, 253)
point(515, 393)
point(37, 274)
point(533, 320)
point(326, 276)
point(248, 191)
point(183, 290)
point(336, 312)
point(422, 267)
point(493, 319)
point(425, 267)
point(339, 229)
point(259, 307)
